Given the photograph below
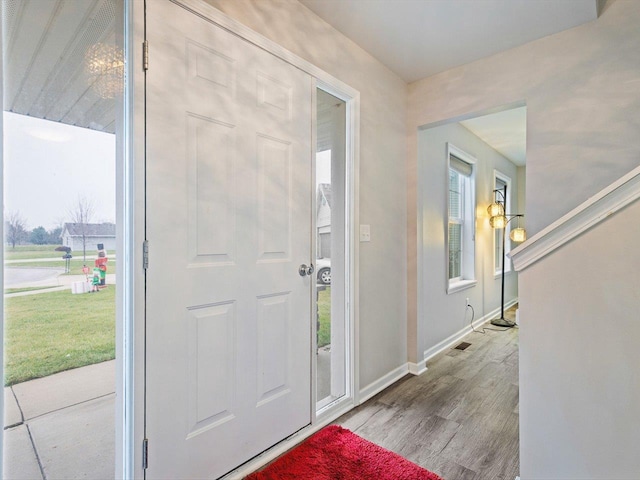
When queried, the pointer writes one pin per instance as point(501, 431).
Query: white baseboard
point(417, 368)
point(383, 382)
point(456, 337)
point(365, 394)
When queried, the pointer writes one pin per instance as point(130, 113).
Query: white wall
point(91, 244)
point(522, 188)
point(442, 314)
point(582, 92)
point(579, 357)
point(383, 96)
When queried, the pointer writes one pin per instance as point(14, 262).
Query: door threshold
point(290, 442)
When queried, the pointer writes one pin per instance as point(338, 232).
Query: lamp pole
point(500, 219)
point(504, 257)
point(503, 322)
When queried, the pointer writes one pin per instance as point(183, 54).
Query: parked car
point(323, 267)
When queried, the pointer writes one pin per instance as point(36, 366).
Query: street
point(14, 277)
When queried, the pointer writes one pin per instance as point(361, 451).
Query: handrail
point(616, 196)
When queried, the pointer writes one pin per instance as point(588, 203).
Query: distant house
point(95, 233)
point(323, 220)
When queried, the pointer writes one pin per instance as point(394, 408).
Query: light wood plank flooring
point(460, 418)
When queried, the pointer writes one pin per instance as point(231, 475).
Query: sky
point(47, 165)
point(323, 167)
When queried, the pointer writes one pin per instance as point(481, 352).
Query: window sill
point(462, 285)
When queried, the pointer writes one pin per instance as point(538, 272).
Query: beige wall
point(579, 358)
point(582, 92)
point(383, 95)
point(522, 186)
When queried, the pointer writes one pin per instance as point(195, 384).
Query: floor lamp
point(498, 219)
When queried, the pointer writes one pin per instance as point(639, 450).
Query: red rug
point(336, 453)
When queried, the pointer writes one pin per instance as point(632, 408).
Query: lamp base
point(502, 322)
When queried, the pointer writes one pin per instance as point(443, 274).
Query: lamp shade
point(518, 234)
point(495, 209)
point(499, 221)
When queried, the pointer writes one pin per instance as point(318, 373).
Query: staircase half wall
point(580, 341)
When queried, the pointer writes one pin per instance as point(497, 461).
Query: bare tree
point(16, 228)
point(81, 214)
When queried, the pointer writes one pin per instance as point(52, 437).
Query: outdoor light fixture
point(104, 63)
point(499, 220)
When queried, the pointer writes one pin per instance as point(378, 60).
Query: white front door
point(228, 223)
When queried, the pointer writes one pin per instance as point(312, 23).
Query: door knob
point(304, 270)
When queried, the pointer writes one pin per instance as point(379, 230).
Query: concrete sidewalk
point(61, 426)
point(60, 282)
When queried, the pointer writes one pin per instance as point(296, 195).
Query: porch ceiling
point(45, 44)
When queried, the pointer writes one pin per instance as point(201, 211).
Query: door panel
point(228, 223)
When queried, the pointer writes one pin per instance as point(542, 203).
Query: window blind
point(460, 166)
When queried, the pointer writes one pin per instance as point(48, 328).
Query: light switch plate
point(365, 233)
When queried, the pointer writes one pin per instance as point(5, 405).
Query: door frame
point(129, 458)
point(318, 415)
point(2, 405)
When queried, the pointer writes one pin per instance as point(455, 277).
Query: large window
point(500, 180)
point(63, 82)
point(461, 220)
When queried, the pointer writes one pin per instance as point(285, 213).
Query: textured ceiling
point(505, 131)
point(46, 42)
point(418, 38)
point(44, 71)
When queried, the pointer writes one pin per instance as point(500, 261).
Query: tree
point(81, 213)
point(38, 236)
point(16, 228)
point(54, 236)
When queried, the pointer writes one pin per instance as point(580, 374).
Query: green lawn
point(24, 289)
point(324, 310)
point(28, 252)
point(56, 331)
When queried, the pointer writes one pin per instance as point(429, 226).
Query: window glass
point(461, 220)
point(456, 220)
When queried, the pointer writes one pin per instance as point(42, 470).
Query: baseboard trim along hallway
point(456, 337)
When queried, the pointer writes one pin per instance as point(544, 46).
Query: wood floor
point(460, 418)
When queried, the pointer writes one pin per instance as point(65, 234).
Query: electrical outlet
point(468, 302)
